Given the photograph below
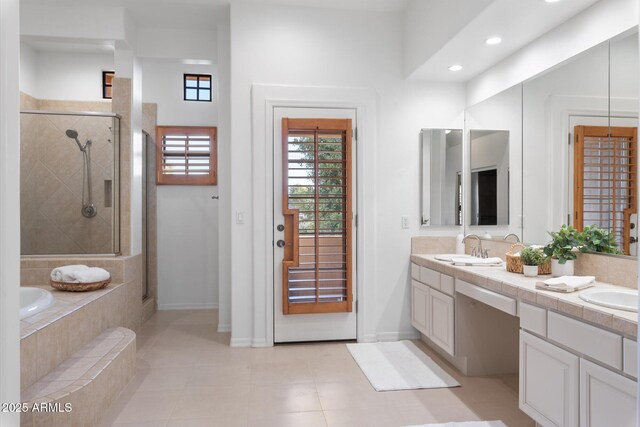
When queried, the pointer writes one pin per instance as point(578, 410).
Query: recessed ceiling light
point(493, 40)
point(455, 67)
point(551, 1)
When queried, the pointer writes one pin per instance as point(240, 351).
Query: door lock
point(280, 243)
point(280, 227)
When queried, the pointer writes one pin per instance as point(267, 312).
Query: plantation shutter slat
point(186, 155)
point(605, 183)
point(317, 178)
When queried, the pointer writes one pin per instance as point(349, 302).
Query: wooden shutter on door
point(605, 179)
point(317, 206)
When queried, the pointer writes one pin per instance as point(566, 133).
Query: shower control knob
point(280, 243)
point(89, 211)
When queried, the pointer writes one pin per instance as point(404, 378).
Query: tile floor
point(188, 376)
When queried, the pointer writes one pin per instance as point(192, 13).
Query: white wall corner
point(9, 208)
point(240, 342)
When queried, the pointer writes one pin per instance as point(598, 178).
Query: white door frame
point(264, 99)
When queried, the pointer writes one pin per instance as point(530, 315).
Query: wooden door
point(314, 203)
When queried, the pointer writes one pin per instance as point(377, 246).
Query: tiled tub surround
point(76, 318)
point(89, 382)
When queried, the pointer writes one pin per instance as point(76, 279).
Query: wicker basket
point(514, 263)
point(79, 287)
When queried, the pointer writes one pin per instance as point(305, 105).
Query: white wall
point(319, 47)
point(187, 216)
point(187, 247)
point(63, 75)
point(9, 209)
point(28, 69)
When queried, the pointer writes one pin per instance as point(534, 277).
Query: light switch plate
point(404, 221)
point(239, 217)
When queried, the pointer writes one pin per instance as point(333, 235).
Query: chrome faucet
point(479, 252)
point(512, 234)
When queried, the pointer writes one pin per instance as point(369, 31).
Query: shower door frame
point(115, 228)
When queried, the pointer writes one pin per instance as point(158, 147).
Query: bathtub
point(34, 300)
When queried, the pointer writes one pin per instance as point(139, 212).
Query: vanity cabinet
point(432, 306)
point(420, 306)
point(549, 379)
point(606, 398)
point(560, 386)
point(441, 320)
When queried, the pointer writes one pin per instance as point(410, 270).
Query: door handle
point(280, 243)
point(280, 227)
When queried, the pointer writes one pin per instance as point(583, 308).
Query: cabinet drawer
point(501, 302)
point(415, 271)
point(606, 398)
point(548, 382)
point(441, 320)
point(594, 342)
point(630, 357)
point(430, 277)
point(446, 284)
point(533, 319)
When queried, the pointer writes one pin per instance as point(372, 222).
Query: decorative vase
point(558, 269)
point(530, 270)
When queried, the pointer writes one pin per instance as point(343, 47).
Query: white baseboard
point(369, 338)
point(397, 336)
point(259, 343)
point(240, 342)
point(187, 306)
point(225, 327)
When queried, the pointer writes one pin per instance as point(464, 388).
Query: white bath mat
point(399, 366)
point(466, 424)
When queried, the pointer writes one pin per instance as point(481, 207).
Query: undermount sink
point(613, 298)
point(448, 257)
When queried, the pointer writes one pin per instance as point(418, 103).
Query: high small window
point(107, 84)
point(186, 155)
point(197, 87)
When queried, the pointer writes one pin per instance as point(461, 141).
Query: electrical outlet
point(404, 220)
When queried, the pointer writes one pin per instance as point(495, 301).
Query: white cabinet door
point(606, 398)
point(548, 382)
point(419, 306)
point(441, 320)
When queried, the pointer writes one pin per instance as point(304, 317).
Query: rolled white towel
point(66, 273)
point(566, 283)
point(91, 275)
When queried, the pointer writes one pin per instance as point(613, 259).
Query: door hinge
point(355, 220)
point(356, 301)
point(355, 134)
point(569, 138)
point(568, 219)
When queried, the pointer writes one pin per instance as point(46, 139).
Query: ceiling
point(518, 22)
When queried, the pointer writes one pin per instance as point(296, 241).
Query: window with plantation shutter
point(186, 155)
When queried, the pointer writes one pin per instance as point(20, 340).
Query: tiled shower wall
point(51, 183)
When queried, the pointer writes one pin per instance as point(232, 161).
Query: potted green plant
point(531, 258)
point(562, 251)
point(595, 239)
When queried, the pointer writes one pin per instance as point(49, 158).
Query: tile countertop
point(498, 279)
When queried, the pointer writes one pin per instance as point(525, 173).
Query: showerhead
point(73, 134)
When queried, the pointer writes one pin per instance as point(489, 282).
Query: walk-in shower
point(88, 209)
point(69, 176)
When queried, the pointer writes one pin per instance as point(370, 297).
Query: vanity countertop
point(498, 279)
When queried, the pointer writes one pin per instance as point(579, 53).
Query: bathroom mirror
point(494, 177)
point(574, 172)
point(489, 177)
point(441, 169)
